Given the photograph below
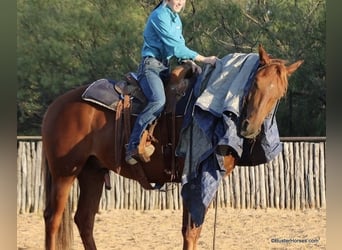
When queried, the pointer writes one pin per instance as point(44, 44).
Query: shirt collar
point(172, 13)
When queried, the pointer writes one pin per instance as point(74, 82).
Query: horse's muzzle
point(247, 131)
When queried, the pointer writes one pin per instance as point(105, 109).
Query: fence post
point(295, 179)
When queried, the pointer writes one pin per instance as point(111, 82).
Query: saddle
point(126, 98)
point(130, 86)
point(108, 93)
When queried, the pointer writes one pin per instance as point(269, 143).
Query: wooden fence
point(293, 180)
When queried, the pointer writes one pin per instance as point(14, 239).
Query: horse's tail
point(64, 239)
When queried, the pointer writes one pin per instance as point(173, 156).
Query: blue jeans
point(150, 75)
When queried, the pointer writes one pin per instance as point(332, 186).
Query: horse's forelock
point(277, 68)
point(281, 72)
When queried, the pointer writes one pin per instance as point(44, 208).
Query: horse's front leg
point(91, 180)
point(190, 232)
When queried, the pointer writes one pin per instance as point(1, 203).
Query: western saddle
point(132, 102)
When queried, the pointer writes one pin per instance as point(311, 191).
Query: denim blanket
point(212, 120)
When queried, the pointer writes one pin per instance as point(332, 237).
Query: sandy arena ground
point(154, 229)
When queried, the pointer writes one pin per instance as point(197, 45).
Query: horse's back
point(61, 102)
point(64, 112)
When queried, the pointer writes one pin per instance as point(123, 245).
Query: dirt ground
point(155, 229)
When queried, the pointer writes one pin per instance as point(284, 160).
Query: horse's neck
point(171, 101)
point(175, 92)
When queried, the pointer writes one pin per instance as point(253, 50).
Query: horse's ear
point(180, 72)
point(264, 58)
point(293, 67)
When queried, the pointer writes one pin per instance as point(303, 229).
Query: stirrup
point(149, 150)
point(146, 152)
point(145, 149)
point(133, 157)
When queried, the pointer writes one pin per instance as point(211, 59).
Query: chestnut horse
point(79, 142)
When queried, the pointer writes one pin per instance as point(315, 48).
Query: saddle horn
point(180, 72)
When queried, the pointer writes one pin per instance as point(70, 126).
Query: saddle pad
point(102, 92)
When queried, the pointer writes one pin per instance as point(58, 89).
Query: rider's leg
point(152, 85)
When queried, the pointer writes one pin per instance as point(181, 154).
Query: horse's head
point(180, 80)
point(269, 86)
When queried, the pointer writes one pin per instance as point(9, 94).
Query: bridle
point(244, 106)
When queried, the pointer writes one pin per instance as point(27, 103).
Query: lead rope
point(274, 112)
point(173, 142)
point(190, 168)
point(215, 220)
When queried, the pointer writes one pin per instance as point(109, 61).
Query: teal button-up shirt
point(163, 36)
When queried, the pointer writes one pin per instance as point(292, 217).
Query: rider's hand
point(210, 60)
point(195, 68)
point(206, 59)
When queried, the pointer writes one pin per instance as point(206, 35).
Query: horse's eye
point(255, 85)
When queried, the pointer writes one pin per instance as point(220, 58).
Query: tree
point(64, 44)
point(288, 29)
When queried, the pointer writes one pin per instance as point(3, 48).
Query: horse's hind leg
point(57, 198)
point(91, 181)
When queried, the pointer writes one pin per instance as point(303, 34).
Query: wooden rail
point(295, 179)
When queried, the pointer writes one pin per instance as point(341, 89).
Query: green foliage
point(64, 44)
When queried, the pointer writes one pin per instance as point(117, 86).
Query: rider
point(163, 39)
